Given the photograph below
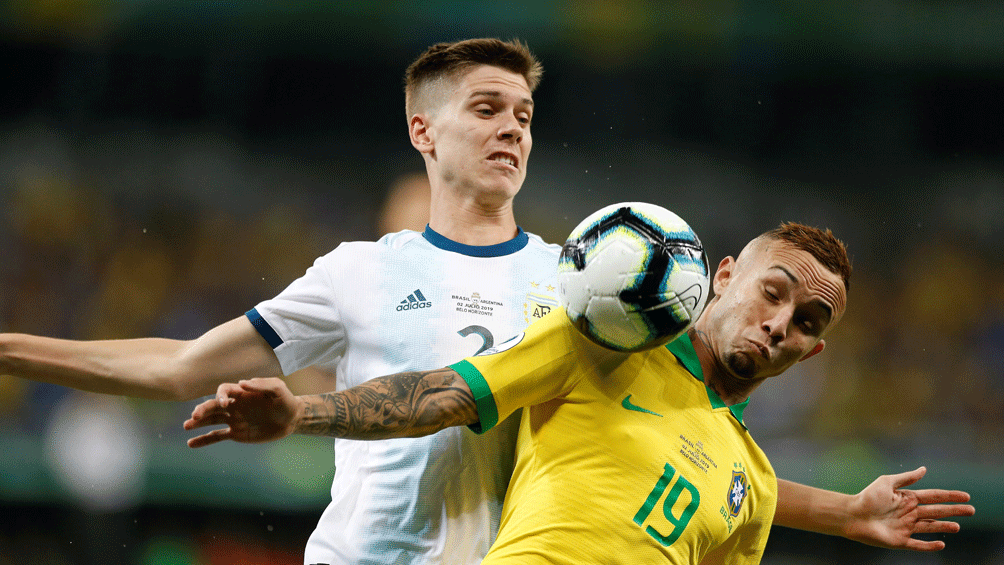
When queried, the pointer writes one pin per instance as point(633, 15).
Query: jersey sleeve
point(303, 323)
point(541, 364)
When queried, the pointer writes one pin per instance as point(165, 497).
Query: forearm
point(404, 405)
point(160, 369)
point(812, 509)
point(122, 367)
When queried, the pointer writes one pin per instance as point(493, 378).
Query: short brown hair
point(444, 60)
point(821, 244)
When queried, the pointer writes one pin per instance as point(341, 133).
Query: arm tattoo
point(403, 405)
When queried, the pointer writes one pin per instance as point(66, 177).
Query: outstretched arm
point(403, 405)
point(162, 369)
point(884, 514)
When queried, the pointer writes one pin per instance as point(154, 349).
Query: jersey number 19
point(679, 522)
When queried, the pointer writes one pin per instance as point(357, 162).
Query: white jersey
point(408, 302)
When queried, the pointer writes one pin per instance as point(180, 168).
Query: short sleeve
point(303, 323)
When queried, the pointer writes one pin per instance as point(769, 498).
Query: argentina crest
point(738, 488)
point(540, 300)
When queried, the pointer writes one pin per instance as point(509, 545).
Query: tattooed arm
point(403, 405)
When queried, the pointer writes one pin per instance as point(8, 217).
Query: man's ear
point(420, 133)
point(819, 347)
point(723, 275)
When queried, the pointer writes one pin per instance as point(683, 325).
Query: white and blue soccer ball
point(633, 276)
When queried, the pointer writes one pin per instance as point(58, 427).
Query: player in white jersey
point(426, 297)
point(469, 107)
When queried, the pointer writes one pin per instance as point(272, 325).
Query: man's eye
point(807, 325)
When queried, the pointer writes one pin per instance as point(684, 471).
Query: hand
point(887, 515)
point(255, 411)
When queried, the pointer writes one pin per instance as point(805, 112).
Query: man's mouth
point(761, 349)
point(507, 158)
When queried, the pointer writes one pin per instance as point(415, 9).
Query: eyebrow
point(794, 279)
point(497, 94)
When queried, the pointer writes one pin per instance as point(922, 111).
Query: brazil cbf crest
point(738, 488)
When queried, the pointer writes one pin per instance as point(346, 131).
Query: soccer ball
point(633, 276)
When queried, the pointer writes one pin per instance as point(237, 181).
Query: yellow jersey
point(621, 459)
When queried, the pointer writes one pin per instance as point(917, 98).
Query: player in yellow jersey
point(627, 458)
point(621, 458)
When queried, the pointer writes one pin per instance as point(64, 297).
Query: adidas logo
point(414, 301)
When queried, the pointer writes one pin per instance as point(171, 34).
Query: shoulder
point(357, 249)
point(536, 243)
point(400, 239)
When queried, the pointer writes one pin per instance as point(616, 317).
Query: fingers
point(213, 419)
point(936, 496)
point(204, 410)
point(226, 392)
point(921, 545)
point(908, 478)
point(270, 387)
point(214, 411)
point(210, 438)
point(209, 413)
point(936, 527)
point(939, 511)
point(231, 407)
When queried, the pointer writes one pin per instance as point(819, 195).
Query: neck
point(716, 376)
point(473, 221)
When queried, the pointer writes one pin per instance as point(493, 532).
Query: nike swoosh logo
point(627, 404)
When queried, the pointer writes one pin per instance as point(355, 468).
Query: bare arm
point(884, 514)
point(403, 405)
point(162, 369)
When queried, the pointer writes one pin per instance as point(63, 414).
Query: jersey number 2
point(482, 331)
point(679, 522)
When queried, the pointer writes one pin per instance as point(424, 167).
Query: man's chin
point(742, 366)
point(502, 190)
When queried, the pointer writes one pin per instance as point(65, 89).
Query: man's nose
point(511, 129)
point(777, 325)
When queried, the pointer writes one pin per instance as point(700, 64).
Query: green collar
point(683, 349)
